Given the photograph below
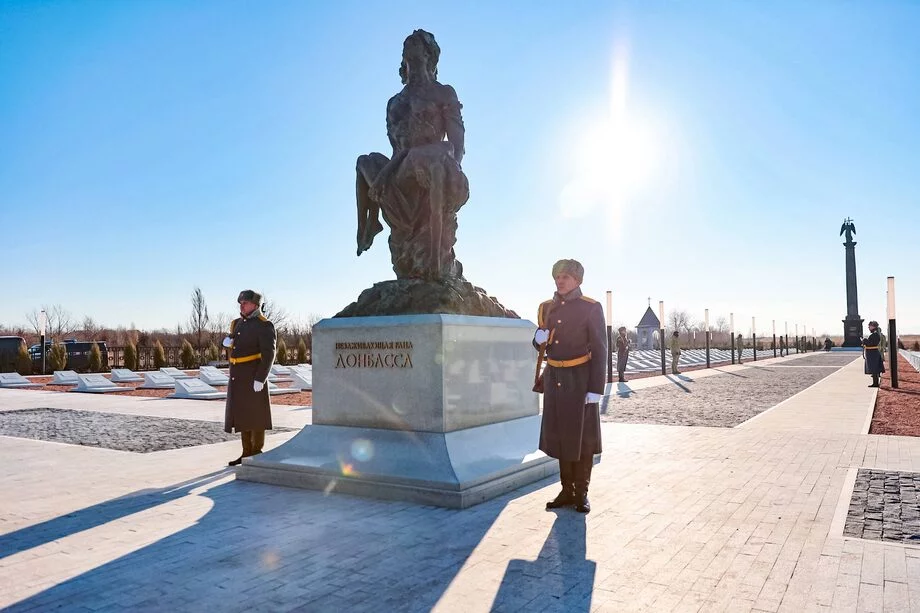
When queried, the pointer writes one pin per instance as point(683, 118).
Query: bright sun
point(613, 158)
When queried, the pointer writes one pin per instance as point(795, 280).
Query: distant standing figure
point(882, 344)
point(252, 351)
point(827, 344)
point(740, 347)
point(782, 347)
point(872, 355)
point(675, 352)
point(622, 345)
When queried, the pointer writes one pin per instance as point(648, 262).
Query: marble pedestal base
point(436, 409)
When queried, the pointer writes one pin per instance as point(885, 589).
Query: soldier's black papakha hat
point(248, 295)
point(569, 267)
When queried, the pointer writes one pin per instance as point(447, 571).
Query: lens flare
point(362, 450)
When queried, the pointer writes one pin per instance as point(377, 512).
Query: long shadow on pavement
point(97, 515)
point(560, 579)
point(727, 372)
point(261, 547)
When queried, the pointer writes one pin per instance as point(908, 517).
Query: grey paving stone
point(890, 511)
point(136, 433)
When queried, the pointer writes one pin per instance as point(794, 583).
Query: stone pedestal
point(436, 409)
point(852, 331)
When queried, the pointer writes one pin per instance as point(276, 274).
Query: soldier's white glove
point(257, 386)
point(592, 398)
point(541, 336)
point(227, 342)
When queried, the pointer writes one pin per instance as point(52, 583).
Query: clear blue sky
point(699, 153)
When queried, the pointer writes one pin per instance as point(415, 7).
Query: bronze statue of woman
point(420, 188)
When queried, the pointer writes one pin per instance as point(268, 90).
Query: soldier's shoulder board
point(262, 317)
point(541, 312)
point(591, 300)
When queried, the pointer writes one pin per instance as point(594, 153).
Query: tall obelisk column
point(853, 324)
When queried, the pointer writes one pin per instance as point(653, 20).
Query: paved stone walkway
point(685, 519)
point(702, 398)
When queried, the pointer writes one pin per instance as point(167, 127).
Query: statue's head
point(420, 53)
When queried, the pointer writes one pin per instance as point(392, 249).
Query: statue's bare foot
point(369, 234)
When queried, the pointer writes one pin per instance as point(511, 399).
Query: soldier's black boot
point(582, 479)
point(566, 497)
point(246, 438)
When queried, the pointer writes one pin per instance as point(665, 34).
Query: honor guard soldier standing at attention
point(252, 352)
point(573, 336)
point(874, 364)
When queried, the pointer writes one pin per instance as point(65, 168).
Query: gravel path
point(823, 359)
point(137, 433)
point(721, 401)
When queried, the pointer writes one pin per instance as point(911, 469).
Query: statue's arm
point(454, 122)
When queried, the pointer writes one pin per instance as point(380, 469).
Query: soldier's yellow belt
point(876, 347)
point(246, 358)
point(570, 363)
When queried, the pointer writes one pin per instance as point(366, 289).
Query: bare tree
point(59, 320)
point(721, 324)
point(90, 328)
point(220, 325)
point(273, 311)
point(198, 321)
point(679, 320)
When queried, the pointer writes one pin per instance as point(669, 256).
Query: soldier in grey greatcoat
point(252, 351)
point(573, 333)
point(623, 347)
point(874, 364)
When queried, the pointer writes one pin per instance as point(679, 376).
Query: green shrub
point(212, 353)
point(159, 356)
point(95, 359)
point(23, 361)
point(187, 356)
point(130, 356)
point(281, 352)
point(57, 357)
point(301, 352)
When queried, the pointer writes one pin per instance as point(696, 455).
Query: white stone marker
point(213, 377)
point(175, 373)
point(274, 390)
point(14, 379)
point(157, 381)
point(196, 389)
point(97, 384)
point(278, 369)
point(277, 378)
point(302, 380)
point(125, 375)
point(65, 377)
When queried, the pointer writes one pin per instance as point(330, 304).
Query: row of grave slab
point(200, 387)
